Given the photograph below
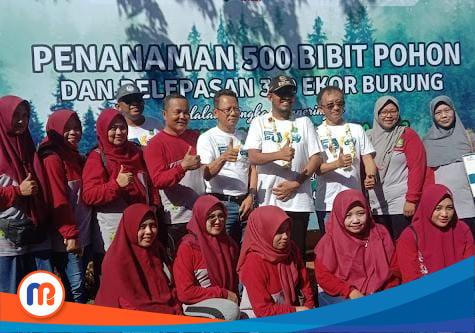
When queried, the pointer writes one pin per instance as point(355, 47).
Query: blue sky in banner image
point(278, 25)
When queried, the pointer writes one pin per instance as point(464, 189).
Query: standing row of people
point(271, 166)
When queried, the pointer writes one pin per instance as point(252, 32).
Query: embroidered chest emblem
point(400, 143)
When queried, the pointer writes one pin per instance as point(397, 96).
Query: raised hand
point(231, 154)
point(287, 152)
point(124, 178)
point(344, 160)
point(190, 161)
point(28, 186)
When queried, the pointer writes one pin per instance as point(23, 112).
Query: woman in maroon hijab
point(436, 238)
point(205, 264)
point(113, 178)
point(356, 257)
point(270, 268)
point(23, 207)
point(135, 275)
point(70, 216)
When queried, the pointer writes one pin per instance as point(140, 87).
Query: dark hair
point(223, 92)
point(328, 89)
point(168, 98)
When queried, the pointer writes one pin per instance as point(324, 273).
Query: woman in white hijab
point(446, 142)
point(401, 161)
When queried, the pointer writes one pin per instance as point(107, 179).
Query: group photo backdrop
point(76, 53)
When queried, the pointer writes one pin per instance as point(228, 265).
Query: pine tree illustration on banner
point(60, 104)
point(35, 125)
point(89, 138)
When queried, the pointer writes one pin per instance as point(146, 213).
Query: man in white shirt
point(131, 104)
point(345, 146)
point(286, 151)
point(227, 172)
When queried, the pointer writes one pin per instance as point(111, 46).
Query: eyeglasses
point(213, 218)
point(229, 110)
point(387, 113)
point(330, 106)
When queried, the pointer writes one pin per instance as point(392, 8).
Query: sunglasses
point(130, 99)
point(286, 94)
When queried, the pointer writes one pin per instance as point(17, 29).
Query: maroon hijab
point(220, 252)
point(440, 247)
point(262, 226)
point(55, 142)
point(133, 275)
point(18, 158)
point(128, 154)
point(344, 254)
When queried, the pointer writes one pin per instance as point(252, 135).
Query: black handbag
point(20, 232)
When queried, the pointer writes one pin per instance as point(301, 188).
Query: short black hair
point(168, 98)
point(328, 89)
point(223, 92)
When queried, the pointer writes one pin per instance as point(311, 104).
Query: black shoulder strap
point(103, 159)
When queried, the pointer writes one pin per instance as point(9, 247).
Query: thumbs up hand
point(287, 152)
point(344, 160)
point(28, 186)
point(190, 161)
point(124, 178)
point(231, 154)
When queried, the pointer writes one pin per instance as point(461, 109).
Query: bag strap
point(103, 159)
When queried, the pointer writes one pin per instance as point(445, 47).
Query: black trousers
point(395, 223)
point(298, 231)
point(174, 233)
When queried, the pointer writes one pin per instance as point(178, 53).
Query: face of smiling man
point(282, 102)
point(177, 116)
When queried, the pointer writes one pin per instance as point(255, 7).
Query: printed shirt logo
point(242, 153)
point(41, 294)
point(277, 137)
point(335, 143)
point(144, 140)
